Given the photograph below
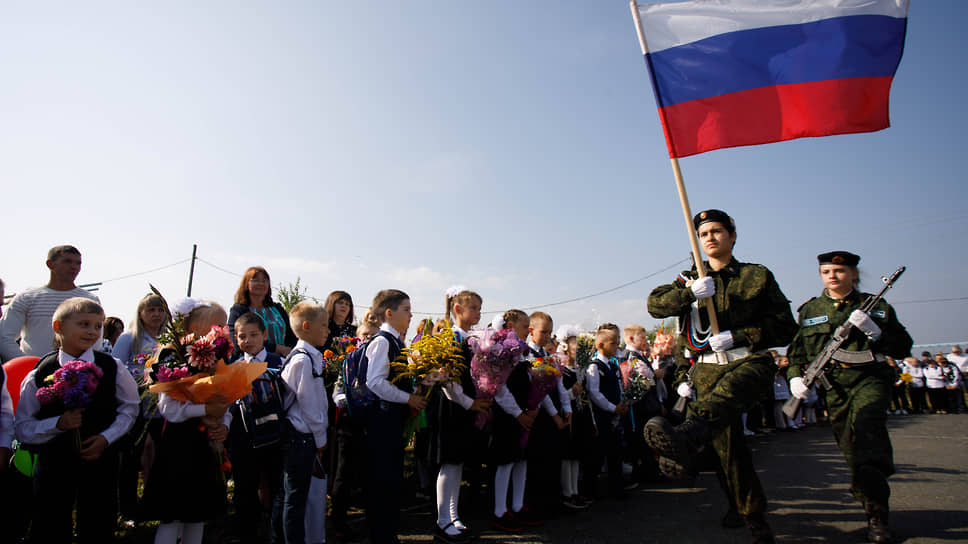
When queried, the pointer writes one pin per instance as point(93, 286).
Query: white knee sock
point(192, 533)
point(518, 476)
point(574, 477)
point(502, 477)
point(454, 493)
point(566, 478)
point(445, 488)
point(168, 533)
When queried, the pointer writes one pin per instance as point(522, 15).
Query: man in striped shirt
point(30, 312)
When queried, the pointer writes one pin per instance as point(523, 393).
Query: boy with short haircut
point(637, 354)
point(605, 391)
point(386, 415)
point(63, 474)
point(544, 454)
point(304, 441)
point(250, 465)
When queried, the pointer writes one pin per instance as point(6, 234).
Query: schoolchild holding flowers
point(580, 432)
point(513, 418)
point(604, 381)
point(186, 488)
point(74, 430)
point(457, 437)
point(386, 415)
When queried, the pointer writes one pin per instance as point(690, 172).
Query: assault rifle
point(824, 361)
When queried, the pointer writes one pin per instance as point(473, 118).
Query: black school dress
point(185, 483)
point(455, 438)
point(576, 437)
point(506, 437)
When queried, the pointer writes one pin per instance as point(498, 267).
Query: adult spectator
point(113, 327)
point(952, 382)
point(960, 360)
point(339, 306)
point(934, 379)
point(916, 387)
point(255, 295)
point(30, 312)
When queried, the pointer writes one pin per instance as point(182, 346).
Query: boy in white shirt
point(306, 416)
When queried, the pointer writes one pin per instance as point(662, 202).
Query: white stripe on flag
point(671, 25)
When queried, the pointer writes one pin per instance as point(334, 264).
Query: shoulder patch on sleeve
point(815, 320)
point(879, 313)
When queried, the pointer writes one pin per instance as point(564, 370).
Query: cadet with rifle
point(855, 368)
point(732, 367)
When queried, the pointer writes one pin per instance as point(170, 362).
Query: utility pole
point(191, 271)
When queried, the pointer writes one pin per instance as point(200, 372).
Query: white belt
point(724, 357)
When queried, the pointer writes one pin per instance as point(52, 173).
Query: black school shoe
point(440, 535)
point(527, 517)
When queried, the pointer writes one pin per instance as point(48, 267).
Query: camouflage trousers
point(724, 393)
point(858, 405)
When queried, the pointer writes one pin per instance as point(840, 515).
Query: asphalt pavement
point(806, 481)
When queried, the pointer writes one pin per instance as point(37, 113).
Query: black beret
point(714, 216)
point(839, 257)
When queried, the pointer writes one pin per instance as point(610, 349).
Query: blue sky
point(512, 147)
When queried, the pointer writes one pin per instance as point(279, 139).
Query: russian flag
point(729, 73)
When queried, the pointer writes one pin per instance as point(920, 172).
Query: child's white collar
point(260, 357)
point(64, 357)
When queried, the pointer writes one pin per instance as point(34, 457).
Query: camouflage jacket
point(820, 316)
point(749, 304)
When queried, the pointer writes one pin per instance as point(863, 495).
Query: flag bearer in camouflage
point(753, 315)
point(862, 382)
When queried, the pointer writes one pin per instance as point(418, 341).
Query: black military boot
point(760, 530)
point(877, 530)
point(677, 446)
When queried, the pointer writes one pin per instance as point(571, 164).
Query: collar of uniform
point(732, 268)
point(386, 327)
point(260, 357)
point(599, 356)
point(534, 347)
point(63, 357)
point(314, 353)
point(635, 353)
point(853, 296)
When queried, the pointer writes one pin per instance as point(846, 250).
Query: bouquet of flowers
point(663, 344)
point(544, 376)
point(431, 360)
point(635, 385)
point(195, 369)
point(906, 377)
point(496, 351)
point(333, 358)
point(70, 387)
point(585, 352)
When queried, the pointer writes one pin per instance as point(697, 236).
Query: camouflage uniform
point(751, 306)
point(861, 395)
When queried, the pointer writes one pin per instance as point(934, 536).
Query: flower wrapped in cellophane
point(585, 353)
point(635, 384)
point(496, 352)
point(544, 378)
point(431, 360)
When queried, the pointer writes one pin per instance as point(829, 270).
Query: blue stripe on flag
point(836, 48)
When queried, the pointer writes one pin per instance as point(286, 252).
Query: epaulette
point(805, 303)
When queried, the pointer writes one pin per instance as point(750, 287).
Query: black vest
point(609, 381)
point(101, 412)
point(396, 346)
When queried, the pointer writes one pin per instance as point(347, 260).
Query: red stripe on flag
point(773, 114)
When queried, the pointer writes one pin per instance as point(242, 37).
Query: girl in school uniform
point(455, 438)
point(186, 487)
point(510, 421)
point(576, 436)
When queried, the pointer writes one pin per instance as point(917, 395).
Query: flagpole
point(683, 198)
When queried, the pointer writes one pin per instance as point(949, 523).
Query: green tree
point(292, 293)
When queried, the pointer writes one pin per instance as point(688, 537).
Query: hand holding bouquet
point(496, 351)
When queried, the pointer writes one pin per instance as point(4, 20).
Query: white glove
point(799, 389)
point(703, 288)
point(722, 341)
point(685, 389)
point(864, 322)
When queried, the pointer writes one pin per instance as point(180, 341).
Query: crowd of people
point(136, 457)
